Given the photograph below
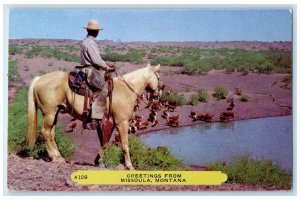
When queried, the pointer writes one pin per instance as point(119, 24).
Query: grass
point(220, 92)
point(17, 130)
point(142, 157)
point(247, 171)
point(13, 74)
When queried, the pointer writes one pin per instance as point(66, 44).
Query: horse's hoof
point(59, 160)
point(131, 168)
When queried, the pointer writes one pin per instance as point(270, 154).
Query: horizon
point(154, 25)
point(99, 40)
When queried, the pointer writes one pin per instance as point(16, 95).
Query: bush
point(238, 91)
point(13, 74)
point(245, 98)
point(244, 170)
point(171, 61)
point(202, 95)
point(142, 157)
point(266, 67)
point(14, 49)
point(174, 99)
point(17, 130)
point(112, 156)
point(133, 55)
point(194, 100)
point(196, 60)
point(48, 52)
point(220, 92)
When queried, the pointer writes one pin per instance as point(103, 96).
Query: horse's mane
point(137, 76)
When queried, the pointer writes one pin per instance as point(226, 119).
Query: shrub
point(196, 60)
point(14, 49)
point(238, 91)
point(245, 98)
point(133, 55)
point(174, 99)
point(202, 95)
point(220, 92)
point(112, 156)
point(194, 100)
point(143, 158)
point(48, 52)
point(244, 170)
point(266, 67)
point(171, 61)
point(13, 74)
point(17, 130)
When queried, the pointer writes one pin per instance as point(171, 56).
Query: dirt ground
point(268, 97)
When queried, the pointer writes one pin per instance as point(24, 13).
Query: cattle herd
point(139, 122)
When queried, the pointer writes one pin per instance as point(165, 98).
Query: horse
point(50, 92)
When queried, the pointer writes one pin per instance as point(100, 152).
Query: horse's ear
point(156, 68)
point(148, 65)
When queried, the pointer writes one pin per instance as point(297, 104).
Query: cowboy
point(95, 69)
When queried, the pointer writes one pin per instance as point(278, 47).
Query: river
point(265, 138)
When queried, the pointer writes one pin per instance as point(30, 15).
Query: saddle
point(78, 84)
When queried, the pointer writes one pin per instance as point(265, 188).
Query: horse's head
point(154, 86)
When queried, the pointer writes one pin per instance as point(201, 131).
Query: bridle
point(138, 96)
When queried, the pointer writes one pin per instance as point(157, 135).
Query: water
point(266, 138)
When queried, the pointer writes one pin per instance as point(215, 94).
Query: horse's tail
point(32, 115)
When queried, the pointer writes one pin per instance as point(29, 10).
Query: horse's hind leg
point(48, 133)
point(123, 131)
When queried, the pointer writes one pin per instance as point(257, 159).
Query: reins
point(127, 84)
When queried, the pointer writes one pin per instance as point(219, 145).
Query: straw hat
point(93, 24)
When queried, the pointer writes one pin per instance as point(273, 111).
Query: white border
point(138, 4)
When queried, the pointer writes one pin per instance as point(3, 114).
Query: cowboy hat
point(93, 24)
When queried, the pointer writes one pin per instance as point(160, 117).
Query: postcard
point(150, 99)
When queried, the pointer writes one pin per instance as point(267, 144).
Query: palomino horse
point(51, 91)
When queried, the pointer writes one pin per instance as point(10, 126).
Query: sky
point(154, 24)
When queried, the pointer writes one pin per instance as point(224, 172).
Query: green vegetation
point(201, 96)
point(174, 99)
point(194, 60)
point(194, 100)
point(17, 130)
point(13, 74)
point(263, 173)
point(133, 55)
point(220, 92)
point(142, 157)
point(197, 60)
point(15, 49)
point(48, 52)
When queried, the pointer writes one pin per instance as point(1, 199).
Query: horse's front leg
point(123, 131)
point(99, 157)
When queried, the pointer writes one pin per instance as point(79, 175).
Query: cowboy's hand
point(111, 67)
